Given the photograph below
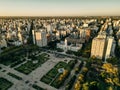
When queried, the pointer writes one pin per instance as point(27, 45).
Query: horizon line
point(64, 16)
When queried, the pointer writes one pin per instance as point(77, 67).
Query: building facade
point(39, 38)
point(98, 47)
point(103, 47)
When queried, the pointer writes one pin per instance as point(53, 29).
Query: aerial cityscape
point(59, 45)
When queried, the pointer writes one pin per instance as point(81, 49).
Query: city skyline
point(59, 8)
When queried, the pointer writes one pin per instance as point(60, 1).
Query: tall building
point(40, 38)
point(98, 47)
point(110, 47)
point(82, 33)
point(20, 36)
point(33, 36)
point(103, 47)
point(49, 29)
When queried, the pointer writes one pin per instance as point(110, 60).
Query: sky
point(59, 7)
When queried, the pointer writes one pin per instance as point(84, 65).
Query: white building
point(82, 33)
point(110, 47)
point(65, 46)
point(58, 35)
point(20, 37)
point(85, 25)
point(17, 43)
point(33, 34)
point(63, 32)
point(8, 35)
point(3, 43)
point(49, 29)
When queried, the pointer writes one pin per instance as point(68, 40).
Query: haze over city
point(59, 45)
point(59, 7)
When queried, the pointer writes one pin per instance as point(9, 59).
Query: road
point(64, 54)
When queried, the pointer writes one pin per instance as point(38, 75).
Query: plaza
point(33, 78)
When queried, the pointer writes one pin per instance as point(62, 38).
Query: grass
point(60, 65)
point(17, 63)
point(15, 76)
point(13, 54)
point(37, 87)
point(5, 84)
point(29, 66)
point(51, 75)
point(44, 54)
point(46, 79)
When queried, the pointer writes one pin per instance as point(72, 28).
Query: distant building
point(119, 42)
point(85, 25)
point(20, 37)
point(49, 29)
point(58, 35)
point(84, 33)
point(39, 38)
point(16, 43)
point(8, 35)
point(3, 43)
point(118, 34)
point(75, 40)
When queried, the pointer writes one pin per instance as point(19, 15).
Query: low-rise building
point(3, 43)
point(73, 47)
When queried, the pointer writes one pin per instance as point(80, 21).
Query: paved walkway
point(34, 77)
point(72, 73)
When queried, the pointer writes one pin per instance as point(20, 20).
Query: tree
point(113, 60)
point(30, 39)
point(117, 51)
point(60, 50)
point(93, 85)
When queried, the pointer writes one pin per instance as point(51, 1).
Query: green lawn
point(29, 66)
point(11, 55)
point(46, 79)
point(15, 53)
point(44, 55)
point(5, 84)
point(53, 72)
point(37, 87)
point(17, 63)
point(14, 76)
point(52, 76)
